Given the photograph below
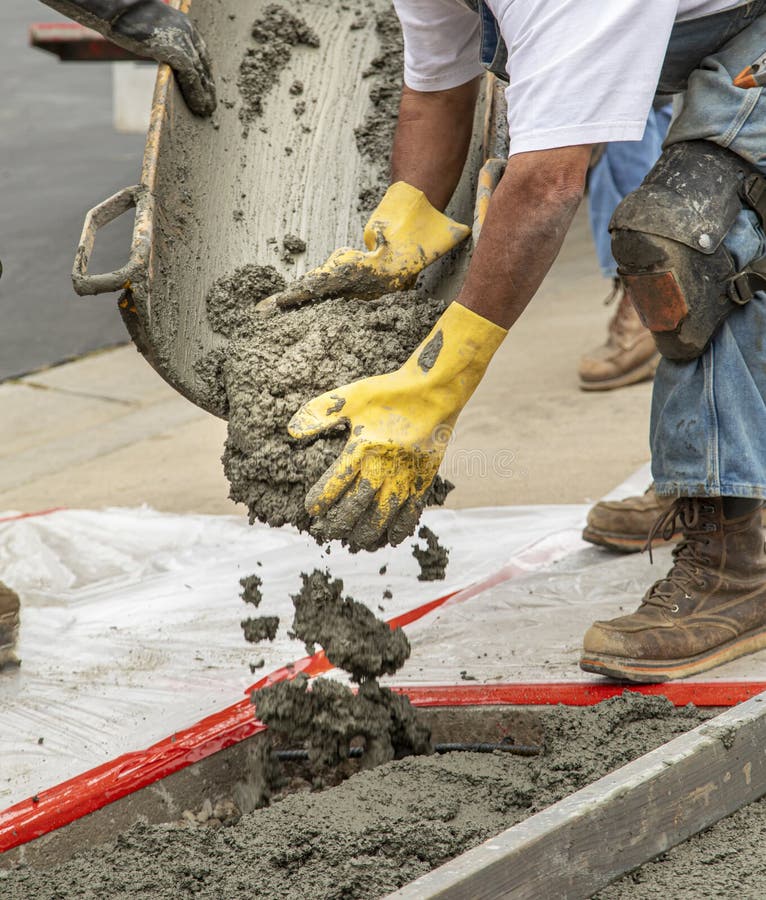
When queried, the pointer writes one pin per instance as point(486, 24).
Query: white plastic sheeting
point(131, 619)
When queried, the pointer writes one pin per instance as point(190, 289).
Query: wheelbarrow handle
point(137, 266)
point(489, 178)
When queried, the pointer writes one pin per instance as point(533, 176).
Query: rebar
point(358, 752)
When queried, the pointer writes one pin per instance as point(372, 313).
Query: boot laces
point(689, 557)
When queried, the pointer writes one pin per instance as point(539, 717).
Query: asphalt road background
point(59, 156)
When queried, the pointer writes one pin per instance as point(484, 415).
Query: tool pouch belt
point(667, 238)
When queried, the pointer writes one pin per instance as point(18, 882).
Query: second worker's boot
point(628, 356)
point(708, 610)
point(9, 626)
point(624, 525)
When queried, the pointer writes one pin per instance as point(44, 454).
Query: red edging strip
point(582, 693)
point(32, 515)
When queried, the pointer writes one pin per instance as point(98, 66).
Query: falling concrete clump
point(260, 628)
point(9, 626)
point(273, 364)
point(433, 558)
point(328, 716)
point(351, 636)
point(257, 628)
point(251, 589)
point(276, 33)
point(293, 244)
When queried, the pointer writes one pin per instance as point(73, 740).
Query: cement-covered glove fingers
point(151, 28)
point(169, 36)
point(399, 427)
point(403, 236)
point(384, 469)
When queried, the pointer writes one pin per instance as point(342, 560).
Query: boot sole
point(622, 543)
point(656, 671)
point(643, 373)
point(9, 660)
point(9, 628)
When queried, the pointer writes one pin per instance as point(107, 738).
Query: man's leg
point(629, 354)
point(708, 449)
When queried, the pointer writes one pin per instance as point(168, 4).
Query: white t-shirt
point(581, 71)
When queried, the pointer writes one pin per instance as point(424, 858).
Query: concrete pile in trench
point(327, 717)
point(387, 826)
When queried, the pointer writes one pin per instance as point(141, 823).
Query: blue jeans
point(708, 429)
point(621, 169)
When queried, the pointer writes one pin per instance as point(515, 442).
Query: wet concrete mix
point(328, 716)
point(272, 365)
point(381, 828)
point(727, 860)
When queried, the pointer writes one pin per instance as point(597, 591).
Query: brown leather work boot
point(709, 609)
point(9, 626)
point(624, 525)
point(628, 356)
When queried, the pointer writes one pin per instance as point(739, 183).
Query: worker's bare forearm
point(528, 217)
point(432, 137)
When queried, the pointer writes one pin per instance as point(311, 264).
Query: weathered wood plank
point(592, 837)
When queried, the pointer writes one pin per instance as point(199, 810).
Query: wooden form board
point(585, 841)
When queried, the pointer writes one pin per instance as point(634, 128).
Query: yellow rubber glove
point(399, 427)
point(404, 235)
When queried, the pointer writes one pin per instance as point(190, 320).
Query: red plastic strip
point(73, 799)
point(582, 693)
point(32, 515)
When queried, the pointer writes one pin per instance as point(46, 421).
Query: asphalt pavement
point(59, 156)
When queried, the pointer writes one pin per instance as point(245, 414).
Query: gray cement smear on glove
point(274, 364)
point(376, 831)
